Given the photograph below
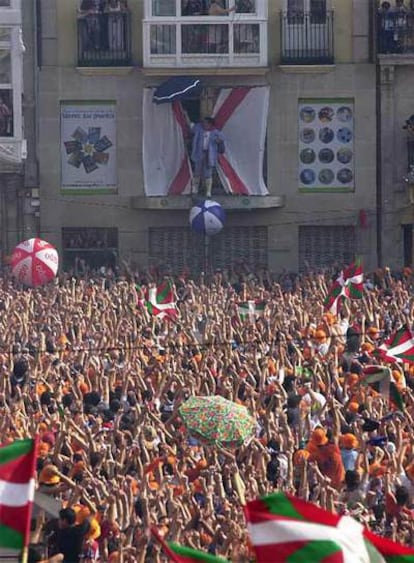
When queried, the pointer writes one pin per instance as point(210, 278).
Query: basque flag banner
point(17, 486)
point(161, 300)
point(348, 285)
point(399, 347)
point(181, 554)
point(286, 529)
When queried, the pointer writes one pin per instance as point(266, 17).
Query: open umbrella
point(176, 88)
point(217, 420)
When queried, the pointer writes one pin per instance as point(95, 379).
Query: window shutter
point(321, 247)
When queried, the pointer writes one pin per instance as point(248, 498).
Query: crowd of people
point(86, 367)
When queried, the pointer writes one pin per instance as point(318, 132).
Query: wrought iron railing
point(307, 37)
point(395, 32)
point(104, 39)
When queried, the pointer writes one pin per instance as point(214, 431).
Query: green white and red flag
point(380, 379)
point(251, 309)
point(161, 300)
point(181, 554)
point(348, 285)
point(17, 486)
point(286, 529)
point(354, 280)
point(399, 347)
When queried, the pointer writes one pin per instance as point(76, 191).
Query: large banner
point(241, 114)
point(326, 145)
point(88, 147)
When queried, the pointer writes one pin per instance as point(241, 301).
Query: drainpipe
point(379, 211)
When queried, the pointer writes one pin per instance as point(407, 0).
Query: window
point(205, 33)
point(318, 11)
point(6, 80)
point(5, 66)
point(322, 247)
point(104, 34)
point(295, 11)
point(4, 3)
point(162, 8)
point(194, 8)
point(6, 113)
point(89, 248)
point(298, 10)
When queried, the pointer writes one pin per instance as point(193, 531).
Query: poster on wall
point(326, 145)
point(88, 147)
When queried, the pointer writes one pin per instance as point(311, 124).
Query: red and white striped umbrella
point(34, 262)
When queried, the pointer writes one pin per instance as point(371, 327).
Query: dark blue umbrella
point(176, 88)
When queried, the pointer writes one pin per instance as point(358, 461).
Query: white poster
point(326, 145)
point(88, 147)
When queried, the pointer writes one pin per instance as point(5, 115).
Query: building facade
point(395, 60)
point(292, 84)
point(17, 212)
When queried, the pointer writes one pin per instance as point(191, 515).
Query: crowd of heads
point(86, 366)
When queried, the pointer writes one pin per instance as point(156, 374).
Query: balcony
point(104, 40)
point(173, 39)
point(395, 33)
point(307, 38)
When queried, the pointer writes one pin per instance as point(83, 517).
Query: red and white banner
point(167, 169)
point(241, 113)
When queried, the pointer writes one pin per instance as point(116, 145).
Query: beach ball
point(207, 217)
point(34, 262)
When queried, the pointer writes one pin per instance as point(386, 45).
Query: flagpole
point(206, 253)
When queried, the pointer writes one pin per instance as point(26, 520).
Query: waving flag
point(161, 300)
point(379, 378)
point(251, 309)
point(399, 347)
point(285, 529)
point(17, 485)
point(349, 284)
point(181, 554)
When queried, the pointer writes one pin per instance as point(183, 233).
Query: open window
point(187, 33)
point(307, 31)
point(89, 248)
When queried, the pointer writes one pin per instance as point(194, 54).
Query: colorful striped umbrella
point(217, 420)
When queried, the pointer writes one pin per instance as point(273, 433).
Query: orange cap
point(349, 441)
point(300, 456)
point(319, 437)
point(353, 407)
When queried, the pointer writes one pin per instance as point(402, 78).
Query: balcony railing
point(307, 37)
point(104, 39)
point(395, 32)
point(205, 42)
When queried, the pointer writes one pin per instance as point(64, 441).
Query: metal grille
point(178, 248)
point(240, 244)
point(321, 247)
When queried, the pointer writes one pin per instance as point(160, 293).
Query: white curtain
point(164, 152)
point(244, 126)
